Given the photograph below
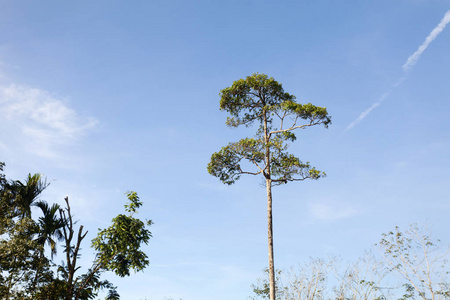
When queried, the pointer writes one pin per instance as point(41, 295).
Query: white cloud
point(37, 122)
point(331, 212)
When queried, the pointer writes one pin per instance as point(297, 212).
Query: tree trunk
point(270, 238)
point(267, 175)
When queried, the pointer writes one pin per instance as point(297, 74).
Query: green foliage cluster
point(261, 99)
point(250, 99)
point(27, 273)
point(118, 246)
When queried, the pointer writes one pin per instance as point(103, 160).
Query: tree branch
point(294, 127)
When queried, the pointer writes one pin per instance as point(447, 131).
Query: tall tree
point(261, 99)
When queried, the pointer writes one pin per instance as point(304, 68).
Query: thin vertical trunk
point(269, 209)
point(270, 239)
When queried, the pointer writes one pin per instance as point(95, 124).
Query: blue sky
point(103, 97)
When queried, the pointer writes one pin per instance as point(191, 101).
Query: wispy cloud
point(37, 122)
point(331, 212)
point(410, 62)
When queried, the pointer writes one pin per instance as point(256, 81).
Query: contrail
point(410, 62)
point(367, 111)
point(416, 55)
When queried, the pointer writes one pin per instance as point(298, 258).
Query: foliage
point(262, 99)
point(26, 194)
point(20, 258)
point(50, 226)
point(262, 287)
point(118, 246)
point(250, 99)
point(23, 265)
point(26, 272)
point(2, 176)
point(117, 250)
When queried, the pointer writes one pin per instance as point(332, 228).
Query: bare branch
point(294, 127)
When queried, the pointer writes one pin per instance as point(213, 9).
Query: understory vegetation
point(28, 245)
point(403, 265)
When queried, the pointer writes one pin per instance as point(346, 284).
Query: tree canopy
point(262, 99)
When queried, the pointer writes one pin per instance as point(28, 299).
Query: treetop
point(249, 99)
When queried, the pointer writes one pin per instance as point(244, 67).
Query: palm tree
point(29, 192)
point(25, 195)
point(50, 225)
